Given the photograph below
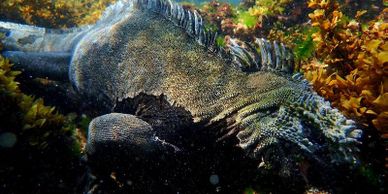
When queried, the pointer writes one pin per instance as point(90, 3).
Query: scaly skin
point(151, 55)
point(140, 52)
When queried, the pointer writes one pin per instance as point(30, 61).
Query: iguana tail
point(39, 52)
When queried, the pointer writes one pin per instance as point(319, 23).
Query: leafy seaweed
point(305, 46)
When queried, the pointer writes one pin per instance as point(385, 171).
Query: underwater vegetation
point(253, 18)
point(355, 55)
point(351, 63)
point(54, 14)
point(30, 135)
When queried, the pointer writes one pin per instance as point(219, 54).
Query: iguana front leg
point(118, 148)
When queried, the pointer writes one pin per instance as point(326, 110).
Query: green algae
point(304, 46)
point(247, 19)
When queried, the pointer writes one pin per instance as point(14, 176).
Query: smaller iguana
point(154, 59)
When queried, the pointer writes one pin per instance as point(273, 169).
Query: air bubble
point(214, 179)
point(7, 140)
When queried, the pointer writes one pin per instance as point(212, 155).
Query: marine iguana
point(155, 59)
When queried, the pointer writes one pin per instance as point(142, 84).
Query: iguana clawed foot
point(123, 150)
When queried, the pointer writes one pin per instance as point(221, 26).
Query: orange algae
point(352, 71)
point(355, 77)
